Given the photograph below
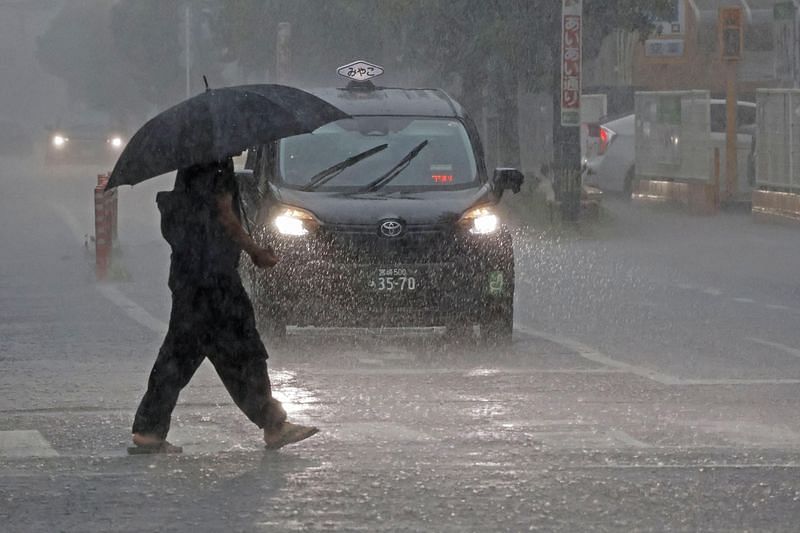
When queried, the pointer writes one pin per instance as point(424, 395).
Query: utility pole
point(567, 107)
point(283, 52)
point(730, 33)
point(187, 45)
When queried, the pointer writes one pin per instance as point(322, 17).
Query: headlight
point(59, 141)
point(115, 142)
point(293, 221)
point(481, 221)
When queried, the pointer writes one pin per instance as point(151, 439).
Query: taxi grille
point(363, 244)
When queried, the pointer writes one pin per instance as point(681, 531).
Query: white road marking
point(778, 307)
point(596, 356)
point(624, 438)
point(572, 434)
point(700, 467)
point(712, 291)
point(685, 286)
point(25, 443)
point(140, 315)
point(132, 309)
point(744, 300)
point(371, 431)
point(778, 346)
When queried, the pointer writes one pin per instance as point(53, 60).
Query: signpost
point(731, 38)
point(571, 29)
point(567, 121)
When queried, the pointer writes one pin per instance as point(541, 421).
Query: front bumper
point(448, 280)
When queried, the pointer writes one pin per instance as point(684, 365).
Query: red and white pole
point(105, 226)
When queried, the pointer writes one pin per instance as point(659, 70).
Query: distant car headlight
point(115, 142)
point(481, 221)
point(59, 141)
point(293, 221)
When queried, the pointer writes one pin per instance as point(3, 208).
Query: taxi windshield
point(446, 161)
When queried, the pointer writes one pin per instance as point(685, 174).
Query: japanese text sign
point(571, 29)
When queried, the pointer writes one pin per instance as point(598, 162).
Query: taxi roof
point(370, 100)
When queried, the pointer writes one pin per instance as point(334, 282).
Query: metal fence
point(778, 139)
point(673, 134)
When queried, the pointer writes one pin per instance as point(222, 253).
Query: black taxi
point(385, 219)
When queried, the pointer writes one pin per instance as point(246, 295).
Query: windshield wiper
point(395, 170)
point(323, 177)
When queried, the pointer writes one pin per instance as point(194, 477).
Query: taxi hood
point(416, 208)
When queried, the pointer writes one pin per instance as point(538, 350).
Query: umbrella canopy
point(218, 124)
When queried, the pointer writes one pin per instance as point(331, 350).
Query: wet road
point(652, 385)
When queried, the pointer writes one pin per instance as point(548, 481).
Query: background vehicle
point(84, 138)
point(612, 168)
point(385, 219)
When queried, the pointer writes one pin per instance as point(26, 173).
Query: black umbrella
point(218, 124)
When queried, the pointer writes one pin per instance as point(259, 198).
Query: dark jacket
point(203, 255)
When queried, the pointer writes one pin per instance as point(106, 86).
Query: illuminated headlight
point(115, 142)
point(293, 221)
point(59, 141)
point(481, 221)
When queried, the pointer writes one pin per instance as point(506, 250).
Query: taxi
point(384, 219)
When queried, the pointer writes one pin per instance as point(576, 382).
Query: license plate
point(394, 279)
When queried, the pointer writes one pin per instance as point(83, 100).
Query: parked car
point(612, 169)
point(384, 219)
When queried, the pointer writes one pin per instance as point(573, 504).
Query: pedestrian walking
point(211, 313)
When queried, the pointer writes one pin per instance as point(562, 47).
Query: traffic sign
point(571, 35)
point(730, 33)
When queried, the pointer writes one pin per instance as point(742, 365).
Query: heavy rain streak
point(399, 265)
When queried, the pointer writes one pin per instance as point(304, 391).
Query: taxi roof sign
point(360, 71)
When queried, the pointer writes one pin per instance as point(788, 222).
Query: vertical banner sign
point(571, 29)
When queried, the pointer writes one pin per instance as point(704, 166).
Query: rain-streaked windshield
point(447, 161)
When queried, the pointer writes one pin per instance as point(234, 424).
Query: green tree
point(148, 38)
point(501, 45)
point(491, 47)
point(325, 34)
point(87, 60)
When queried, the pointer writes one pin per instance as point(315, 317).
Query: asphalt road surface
point(652, 385)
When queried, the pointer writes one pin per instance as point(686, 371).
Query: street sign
point(730, 33)
point(571, 29)
point(360, 71)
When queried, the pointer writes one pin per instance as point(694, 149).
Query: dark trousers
point(215, 322)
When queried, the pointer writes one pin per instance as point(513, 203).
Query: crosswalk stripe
point(25, 443)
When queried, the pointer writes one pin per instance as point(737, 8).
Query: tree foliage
point(130, 54)
point(87, 60)
point(148, 41)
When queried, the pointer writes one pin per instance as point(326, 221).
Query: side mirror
point(508, 178)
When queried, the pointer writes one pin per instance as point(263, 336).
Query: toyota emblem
point(391, 228)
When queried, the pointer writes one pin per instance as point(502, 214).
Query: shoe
point(288, 433)
point(156, 447)
point(148, 444)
